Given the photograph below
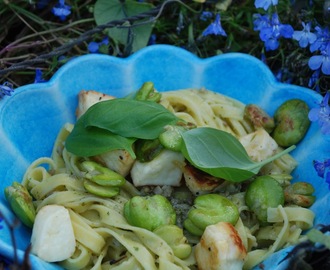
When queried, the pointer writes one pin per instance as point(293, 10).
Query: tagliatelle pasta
point(105, 240)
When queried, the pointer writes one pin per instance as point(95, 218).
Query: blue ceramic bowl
point(31, 118)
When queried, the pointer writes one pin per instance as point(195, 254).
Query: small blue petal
point(61, 10)
point(6, 89)
point(93, 47)
point(319, 168)
point(271, 44)
point(304, 37)
point(286, 30)
point(265, 4)
point(206, 15)
point(38, 77)
point(215, 28)
point(260, 22)
point(315, 62)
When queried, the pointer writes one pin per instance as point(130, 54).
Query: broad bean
point(21, 203)
point(174, 237)
point(259, 118)
point(149, 212)
point(209, 209)
point(262, 193)
point(291, 122)
point(300, 193)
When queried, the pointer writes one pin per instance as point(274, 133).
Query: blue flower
point(61, 10)
point(305, 36)
point(152, 40)
point(38, 78)
point(6, 89)
point(206, 15)
point(265, 4)
point(313, 79)
point(272, 30)
point(215, 28)
point(321, 61)
point(322, 115)
point(260, 21)
point(322, 39)
point(94, 47)
point(322, 169)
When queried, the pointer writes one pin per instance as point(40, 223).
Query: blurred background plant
point(290, 36)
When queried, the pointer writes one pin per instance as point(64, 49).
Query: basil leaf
point(129, 117)
point(92, 141)
point(220, 154)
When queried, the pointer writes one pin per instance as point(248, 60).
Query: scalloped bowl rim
point(131, 66)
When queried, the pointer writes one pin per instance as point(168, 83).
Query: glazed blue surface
point(31, 118)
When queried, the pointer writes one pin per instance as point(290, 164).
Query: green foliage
point(28, 31)
point(131, 36)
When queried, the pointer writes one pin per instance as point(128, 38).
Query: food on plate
point(220, 247)
point(183, 179)
point(292, 122)
point(52, 237)
point(20, 201)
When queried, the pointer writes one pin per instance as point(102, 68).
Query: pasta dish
point(159, 210)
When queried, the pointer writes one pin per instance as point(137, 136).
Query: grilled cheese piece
point(164, 169)
point(88, 98)
point(53, 237)
point(199, 182)
point(220, 248)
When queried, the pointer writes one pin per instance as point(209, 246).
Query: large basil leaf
point(92, 141)
point(109, 10)
point(129, 118)
point(220, 154)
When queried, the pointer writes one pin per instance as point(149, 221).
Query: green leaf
point(129, 118)
point(220, 154)
point(92, 141)
point(109, 10)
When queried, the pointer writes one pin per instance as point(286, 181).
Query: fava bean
point(20, 201)
point(148, 92)
point(262, 193)
point(149, 212)
point(171, 138)
point(300, 193)
point(147, 150)
point(103, 191)
point(209, 209)
point(259, 118)
point(291, 122)
point(174, 237)
point(101, 175)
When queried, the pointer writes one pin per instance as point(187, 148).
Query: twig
point(123, 23)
